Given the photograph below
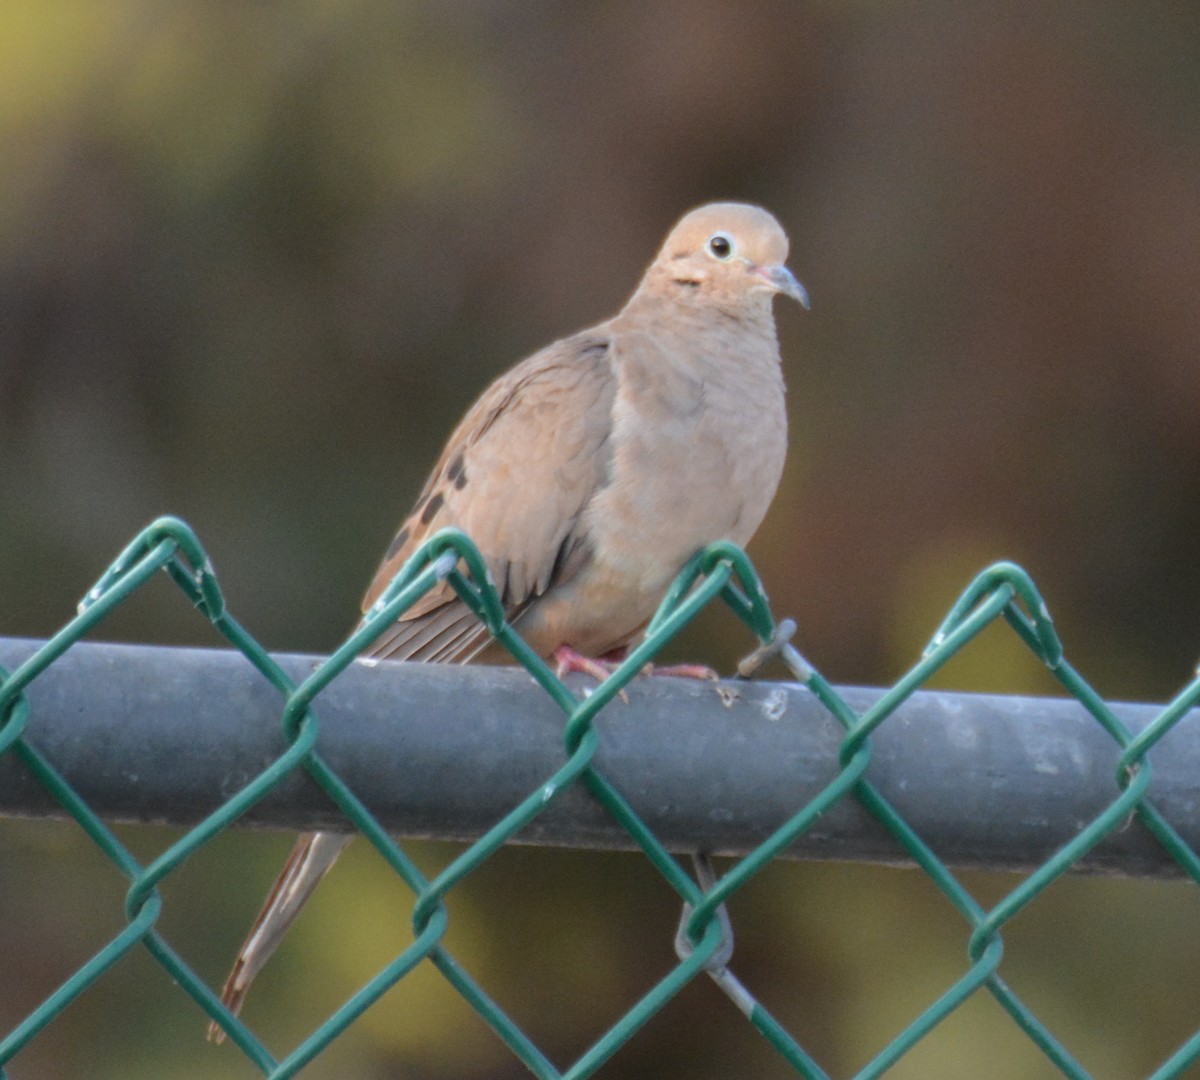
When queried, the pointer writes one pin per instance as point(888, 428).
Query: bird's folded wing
point(516, 476)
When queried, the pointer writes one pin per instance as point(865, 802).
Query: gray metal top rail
point(158, 734)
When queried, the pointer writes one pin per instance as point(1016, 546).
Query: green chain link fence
point(1002, 592)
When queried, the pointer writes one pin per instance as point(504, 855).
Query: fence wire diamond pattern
point(704, 943)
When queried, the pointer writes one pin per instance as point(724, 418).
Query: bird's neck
point(679, 321)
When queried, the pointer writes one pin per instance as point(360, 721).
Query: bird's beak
point(782, 280)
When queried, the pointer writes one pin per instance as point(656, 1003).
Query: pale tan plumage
point(589, 474)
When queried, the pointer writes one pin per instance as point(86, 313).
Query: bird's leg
point(683, 671)
point(600, 668)
point(679, 671)
point(567, 660)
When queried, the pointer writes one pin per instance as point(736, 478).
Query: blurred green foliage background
point(256, 259)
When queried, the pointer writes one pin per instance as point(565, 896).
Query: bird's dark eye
point(720, 245)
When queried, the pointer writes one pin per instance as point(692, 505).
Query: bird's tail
point(309, 861)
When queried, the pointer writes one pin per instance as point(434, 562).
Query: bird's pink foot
point(683, 671)
point(567, 660)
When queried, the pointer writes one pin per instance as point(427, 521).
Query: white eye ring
point(720, 246)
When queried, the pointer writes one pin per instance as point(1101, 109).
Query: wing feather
point(516, 476)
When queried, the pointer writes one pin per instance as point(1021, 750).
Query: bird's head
point(727, 252)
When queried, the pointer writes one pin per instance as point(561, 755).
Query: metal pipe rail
point(158, 734)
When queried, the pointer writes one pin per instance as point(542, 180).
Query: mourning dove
point(589, 474)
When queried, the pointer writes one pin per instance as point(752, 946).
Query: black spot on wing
point(458, 471)
point(431, 508)
point(398, 543)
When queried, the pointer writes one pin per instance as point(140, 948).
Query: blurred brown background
point(255, 260)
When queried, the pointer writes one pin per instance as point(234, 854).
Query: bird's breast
point(697, 453)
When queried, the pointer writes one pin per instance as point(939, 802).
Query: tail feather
point(448, 633)
point(308, 862)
